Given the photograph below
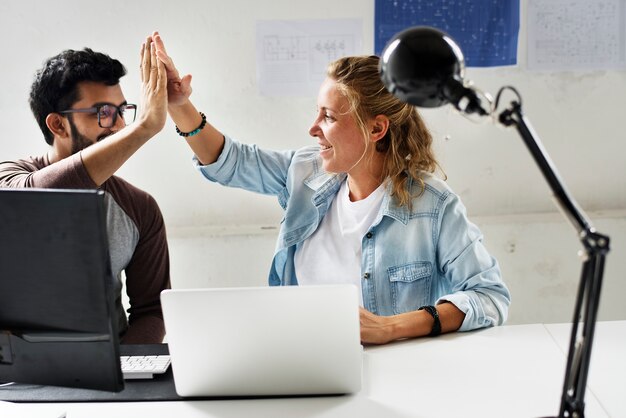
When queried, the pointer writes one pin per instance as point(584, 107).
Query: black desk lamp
point(425, 67)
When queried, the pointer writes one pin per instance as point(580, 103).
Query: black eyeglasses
point(107, 113)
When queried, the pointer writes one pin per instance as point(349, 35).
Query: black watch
point(436, 329)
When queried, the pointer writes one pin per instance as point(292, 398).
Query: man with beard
point(81, 110)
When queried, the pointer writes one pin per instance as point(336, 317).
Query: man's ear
point(58, 125)
point(378, 127)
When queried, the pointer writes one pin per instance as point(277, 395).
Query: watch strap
point(436, 329)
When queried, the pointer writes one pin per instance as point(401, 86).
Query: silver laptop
point(264, 341)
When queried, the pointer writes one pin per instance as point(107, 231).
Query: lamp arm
point(595, 249)
point(514, 116)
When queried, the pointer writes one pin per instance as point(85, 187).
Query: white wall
point(578, 115)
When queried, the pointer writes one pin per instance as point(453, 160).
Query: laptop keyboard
point(143, 367)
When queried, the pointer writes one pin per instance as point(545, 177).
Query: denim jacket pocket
point(410, 285)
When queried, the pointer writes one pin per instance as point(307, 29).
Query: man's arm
point(148, 271)
point(146, 276)
point(68, 173)
point(104, 158)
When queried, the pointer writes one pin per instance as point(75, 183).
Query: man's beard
point(80, 141)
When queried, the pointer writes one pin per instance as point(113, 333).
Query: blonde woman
point(362, 206)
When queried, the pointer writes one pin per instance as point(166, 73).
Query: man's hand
point(153, 112)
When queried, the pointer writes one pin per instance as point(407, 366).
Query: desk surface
point(608, 364)
point(513, 371)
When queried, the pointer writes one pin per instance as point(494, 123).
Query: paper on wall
point(292, 56)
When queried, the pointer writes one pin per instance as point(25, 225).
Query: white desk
point(607, 372)
point(510, 371)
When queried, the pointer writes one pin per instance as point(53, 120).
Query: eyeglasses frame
point(96, 110)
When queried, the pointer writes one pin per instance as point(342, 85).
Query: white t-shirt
point(332, 255)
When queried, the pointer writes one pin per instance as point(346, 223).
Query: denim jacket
point(410, 257)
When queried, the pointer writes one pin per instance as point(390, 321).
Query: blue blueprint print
point(486, 30)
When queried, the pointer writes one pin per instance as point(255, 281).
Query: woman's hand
point(374, 329)
point(383, 329)
point(178, 89)
point(153, 109)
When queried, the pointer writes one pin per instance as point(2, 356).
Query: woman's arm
point(207, 144)
point(383, 329)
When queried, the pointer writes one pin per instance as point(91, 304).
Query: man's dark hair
point(55, 86)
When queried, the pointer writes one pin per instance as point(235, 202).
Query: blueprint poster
point(292, 56)
point(486, 30)
point(576, 34)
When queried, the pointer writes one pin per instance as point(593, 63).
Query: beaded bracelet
point(195, 131)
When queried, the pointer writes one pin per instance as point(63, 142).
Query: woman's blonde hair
point(407, 145)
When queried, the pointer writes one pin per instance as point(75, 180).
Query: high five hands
point(178, 89)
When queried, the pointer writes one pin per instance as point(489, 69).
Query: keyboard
point(144, 367)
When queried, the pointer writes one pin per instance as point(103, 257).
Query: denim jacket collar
point(326, 185)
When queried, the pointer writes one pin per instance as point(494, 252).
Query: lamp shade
point(420, 64)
